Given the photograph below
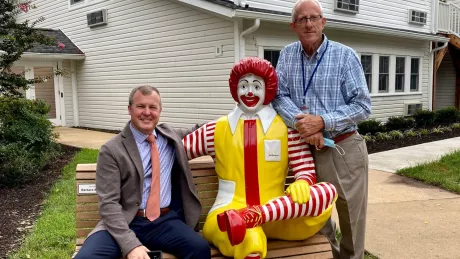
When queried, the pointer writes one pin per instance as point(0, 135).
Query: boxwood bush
point(27, 141)
point(447, 115)
point(399, 123)
point(424, 118)
point(370, 126)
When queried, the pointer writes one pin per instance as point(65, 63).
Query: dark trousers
point(167, 233)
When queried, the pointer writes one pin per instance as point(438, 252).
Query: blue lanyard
point(305, 89)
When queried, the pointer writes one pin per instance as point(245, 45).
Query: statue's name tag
point(272, 150)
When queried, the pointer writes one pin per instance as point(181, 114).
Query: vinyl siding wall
point(156, 42)
point(386, 13)
point(275, 36)
point(445, 85)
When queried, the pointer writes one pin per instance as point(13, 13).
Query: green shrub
point(368, 138)
point(447, 115)
point(370, 126)
point(424, 132)
point(396, 134)
point(411, 133)
point(455, 126)
point(399, 123)
point(424, 118)
point(382, 136)
point(26, 139)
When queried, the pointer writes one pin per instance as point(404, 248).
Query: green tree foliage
point(15, 39)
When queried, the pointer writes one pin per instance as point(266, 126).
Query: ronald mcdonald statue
point(253, 149)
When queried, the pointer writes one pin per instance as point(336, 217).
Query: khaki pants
point(349, 174)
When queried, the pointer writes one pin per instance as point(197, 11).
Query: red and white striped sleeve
point(300, 158)
point(200, 142)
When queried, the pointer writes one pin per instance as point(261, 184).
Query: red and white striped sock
point(322, 195)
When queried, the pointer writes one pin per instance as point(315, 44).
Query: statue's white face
point(251, 94)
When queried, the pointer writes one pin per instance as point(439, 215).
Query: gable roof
point(69, 46)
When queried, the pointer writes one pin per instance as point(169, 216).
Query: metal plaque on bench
point(86, 188)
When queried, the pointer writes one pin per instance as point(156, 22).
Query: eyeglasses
point(304, 20)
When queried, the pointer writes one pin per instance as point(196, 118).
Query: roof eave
point(53, 56)
point(333, 24)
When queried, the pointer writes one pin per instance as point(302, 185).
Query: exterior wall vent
point(411, 108)
point(97, 18)
point(349, 6)
point(417, 17)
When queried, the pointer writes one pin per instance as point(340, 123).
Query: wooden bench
point(205, 179)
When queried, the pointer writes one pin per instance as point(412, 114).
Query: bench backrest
point(87, 211)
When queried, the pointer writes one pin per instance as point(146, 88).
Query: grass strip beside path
point(444, 173)
point(54, 233)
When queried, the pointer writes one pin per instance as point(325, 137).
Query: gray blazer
point(119, 181)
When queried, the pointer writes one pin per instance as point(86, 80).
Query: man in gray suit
point(123, 180)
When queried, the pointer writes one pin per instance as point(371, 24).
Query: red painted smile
point(249, 101)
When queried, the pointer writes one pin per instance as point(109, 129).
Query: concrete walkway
point(406, 219)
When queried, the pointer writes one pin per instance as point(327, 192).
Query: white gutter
point(32, 55)
point(249, 30)
point(439, 48)
point(344, 26)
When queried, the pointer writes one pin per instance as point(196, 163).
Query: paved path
point(406, 219)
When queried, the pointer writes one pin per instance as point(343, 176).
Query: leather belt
point(344, 136)
point(163, 211)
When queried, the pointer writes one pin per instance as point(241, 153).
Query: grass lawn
point(53, 235)
point(444, 173)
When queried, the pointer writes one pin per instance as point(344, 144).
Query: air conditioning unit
point(417, 17)
point(97, 18)
point(411, 108)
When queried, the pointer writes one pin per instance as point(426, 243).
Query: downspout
point(432, 92)
point(249, 30)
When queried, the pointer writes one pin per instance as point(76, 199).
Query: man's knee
point(201, 248)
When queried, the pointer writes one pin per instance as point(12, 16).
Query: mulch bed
point(379, 146)
point(21, 206)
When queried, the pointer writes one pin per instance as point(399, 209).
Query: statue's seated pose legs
point(236, 222)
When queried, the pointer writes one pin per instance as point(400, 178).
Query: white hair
point(294, 12)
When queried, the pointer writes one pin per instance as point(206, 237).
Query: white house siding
point(157, 42)
point(388, 13)
point(273, 36)
point(67, 80)
point(445, 85)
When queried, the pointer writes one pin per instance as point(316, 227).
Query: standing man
point(323, 93)
point(147, 199)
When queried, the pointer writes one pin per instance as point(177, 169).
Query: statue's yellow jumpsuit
point(228, 151)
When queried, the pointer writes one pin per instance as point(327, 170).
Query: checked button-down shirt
point(338, 90)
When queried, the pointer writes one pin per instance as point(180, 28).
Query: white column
point(407, 75)
point(375, 74)
point(73, 70)
point(392, 74)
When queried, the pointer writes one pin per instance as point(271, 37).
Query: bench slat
point(206, 184)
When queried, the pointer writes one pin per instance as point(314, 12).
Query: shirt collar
point(139, 136)
point(319, 51)
point(266, 116)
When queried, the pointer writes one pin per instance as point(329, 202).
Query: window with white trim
point(347, 5)
point(272, 56)
point(414, 74)
point(399, 75)
point(366, 62)
point(72, 2)
point(384, 75)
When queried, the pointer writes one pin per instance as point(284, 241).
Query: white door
point(50, 90)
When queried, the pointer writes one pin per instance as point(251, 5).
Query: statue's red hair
point(259, 67)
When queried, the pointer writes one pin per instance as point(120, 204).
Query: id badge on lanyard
point(304, 107)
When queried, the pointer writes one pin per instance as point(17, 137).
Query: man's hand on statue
point(316, 140)
point(299, 191)
point(308, 124)
point(139, 252)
